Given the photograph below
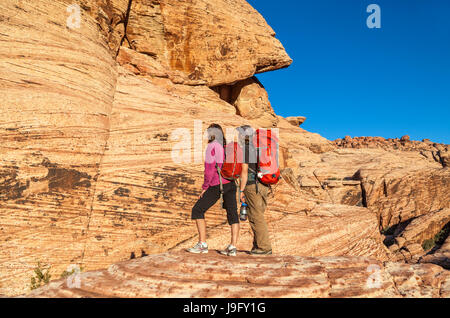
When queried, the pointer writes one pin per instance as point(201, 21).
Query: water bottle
point(243, 212)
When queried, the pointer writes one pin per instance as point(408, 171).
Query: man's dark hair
point(247, 131)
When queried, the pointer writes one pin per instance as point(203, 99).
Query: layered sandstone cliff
point(90, 120)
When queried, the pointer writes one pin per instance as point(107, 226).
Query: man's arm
point(244, 178)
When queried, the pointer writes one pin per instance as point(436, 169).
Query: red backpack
point(232, 167)
point(267, 151)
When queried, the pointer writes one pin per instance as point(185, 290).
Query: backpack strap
point(221, 185)
point(255, 173)
point(256, 176)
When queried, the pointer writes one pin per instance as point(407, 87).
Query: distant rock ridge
point(431, 150)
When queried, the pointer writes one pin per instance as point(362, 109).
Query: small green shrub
point(442, 235)
point(66, 273)
point(42, 276)
point(428, 244)
point(438, 239)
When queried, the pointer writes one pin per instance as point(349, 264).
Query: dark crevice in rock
point(393, 231)
point(225, 93)
point(125, 26)
point(364, 195)
point(441, 160)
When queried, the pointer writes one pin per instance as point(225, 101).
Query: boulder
point(405, 138)
point(296, 121)
point(252, 102)
point(219, 42)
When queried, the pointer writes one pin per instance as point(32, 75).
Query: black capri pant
point(211, 196)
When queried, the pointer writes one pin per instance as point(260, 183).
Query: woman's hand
point(242, 197)
point(201, 194)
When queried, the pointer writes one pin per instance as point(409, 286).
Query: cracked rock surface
point(181, 274)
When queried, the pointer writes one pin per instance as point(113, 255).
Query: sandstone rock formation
point(59, 86)
point(409, 242)
point(69, 174)
point(213, 275)
point(440, 257)
point(111, 17)
point(381, 180)
point(401, 194)
point(101, 155)
point(444, 157)
point(296, 121)
point(251, 101)
point(218, 42)
point(213, 43)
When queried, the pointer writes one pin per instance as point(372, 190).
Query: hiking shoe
point(258, 251)
point(229, 251)
point(199, 248)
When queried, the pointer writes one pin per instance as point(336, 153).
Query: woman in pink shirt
point(215, 155)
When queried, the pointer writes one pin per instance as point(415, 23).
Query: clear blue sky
point(352, 80)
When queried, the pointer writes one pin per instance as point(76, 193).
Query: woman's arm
point(210, 166)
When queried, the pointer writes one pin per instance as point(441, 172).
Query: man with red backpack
point(259, 170)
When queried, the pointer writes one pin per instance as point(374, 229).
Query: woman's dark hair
point(215, 132)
